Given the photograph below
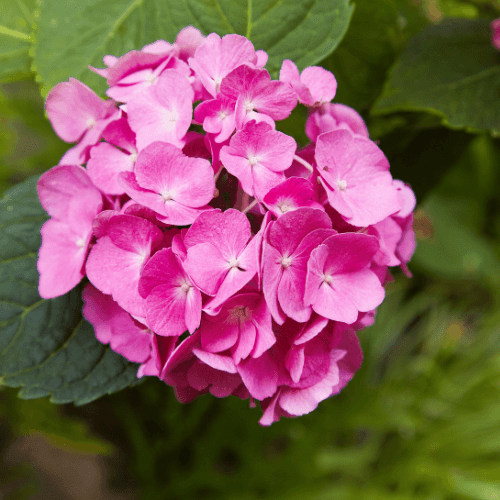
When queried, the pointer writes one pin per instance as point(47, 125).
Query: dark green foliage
point(450, 69)
point(73, 34)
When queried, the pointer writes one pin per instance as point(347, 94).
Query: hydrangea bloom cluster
point(220, 256)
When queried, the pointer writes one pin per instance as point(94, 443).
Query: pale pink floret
point(218, 56)
point(314, 86)
point(243, 325)
point(253, 90)
point(70, 198)
point(221, 256)
point(116, 261)
point(286, 249)
point(163, 111)
point(339, 283)
point(175, 186)
point(333, 116)
point(322, 368)
point(115, 326)
point(78, 114)
point(107, 161)
point(258, 156)
point(73, 109)
point(294, 193)
point(173, 303)
point(355, 175)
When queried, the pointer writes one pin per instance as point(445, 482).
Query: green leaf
point(46, 347)
point(451, 70)
point(73, 34)
point(377, 33)
point(16, 24)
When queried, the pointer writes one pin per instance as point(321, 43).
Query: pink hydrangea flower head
point(217, 57)
point(314, 86)
point(173, 303)
point(333, 116)
point(355, 175)
point(258, 156)
point(163, 111)
point(175, 186)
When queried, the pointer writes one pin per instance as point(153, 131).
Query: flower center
point(185, 287)
point(166, 197)
point(80, 242)
point(233, 263)
point(248, 106)
point(327, 278)
point(90, 122)
point(342, 185)
point(253, 160)
point(152, 79)
point(239, 314)
point(286, 261)
point(133, 157)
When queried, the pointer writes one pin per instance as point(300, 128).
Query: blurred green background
point(420, 420)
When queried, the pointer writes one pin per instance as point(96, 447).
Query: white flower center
point(80, 242)
point(286, 261)
point(133, 158)
point(248, 106)
point(90, 122)
point(222, 115)
point(327, 278)
point(253, 160)
point(152, 79)
point(166, 196)
point(233, 263)
point(174, 117)
point(185, 287)
point(342, 185)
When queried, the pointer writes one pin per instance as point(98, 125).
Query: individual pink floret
point(70, 198)
point(107, 161)
point(221, 256)
point(257, 156)
point(173, 303)
point(217, 117)
point(219, 56)
point(163, 111)
point(314, 86)
point(175, 186)
point(294, 193)
point(355, 175)
point(253, 90)
point(339, 283)
point(388, 233)
point(116, 261)
point(115, 326)
point(333, 116)
point(286, 249)
point(322, 368)
point(243, 325)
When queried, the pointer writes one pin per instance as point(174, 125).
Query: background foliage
point(421, 420)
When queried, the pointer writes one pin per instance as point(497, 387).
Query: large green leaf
point(75, 33)
point(16, 23)
point(377, 34)
point(46, 347)
point(451, 70)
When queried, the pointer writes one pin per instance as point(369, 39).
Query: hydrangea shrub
point(221, 257)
